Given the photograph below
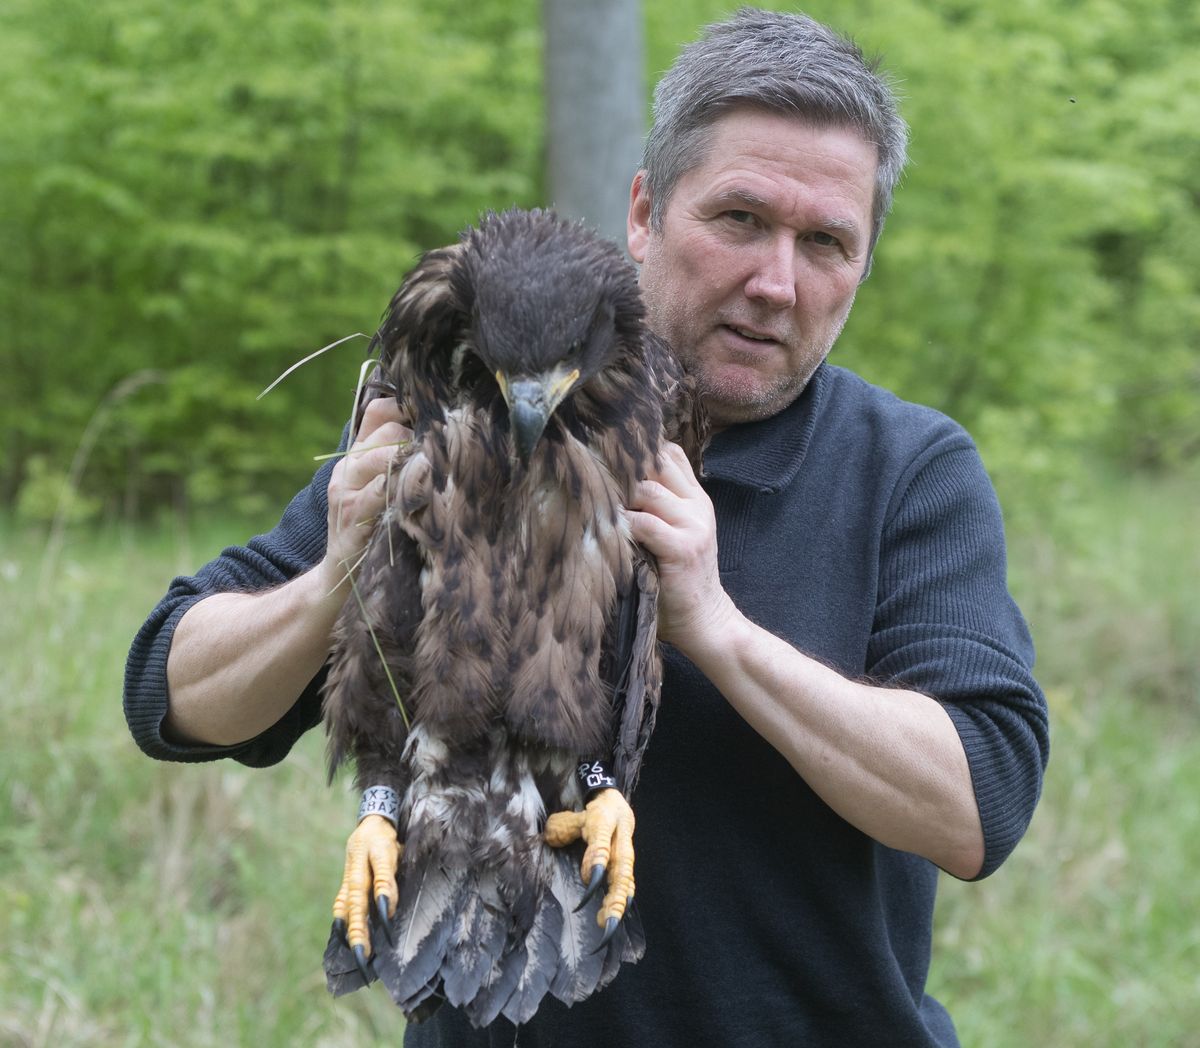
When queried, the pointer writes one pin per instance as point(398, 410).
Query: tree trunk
point(595, 108)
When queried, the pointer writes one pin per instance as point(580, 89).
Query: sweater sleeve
point(946, 626)
point(295, 544)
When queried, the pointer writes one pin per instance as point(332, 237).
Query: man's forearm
point(239, 661)
point(890, 762)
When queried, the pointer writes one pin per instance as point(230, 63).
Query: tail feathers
point(454, 939)
point(341, 970)
point(560, 952)
point(429, 898)
point(627, 946)
point(579, 965)
point(582, 968)
point(540, 961)
point(475, 945)
point(497, 988)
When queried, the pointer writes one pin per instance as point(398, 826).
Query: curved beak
point(531, 402)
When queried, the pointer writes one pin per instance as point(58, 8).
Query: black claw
point(593, 888)
point(339, 930)
point(360, 958)
point(610, 929)
point(381, 908)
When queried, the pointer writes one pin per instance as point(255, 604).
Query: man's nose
point(774, 278)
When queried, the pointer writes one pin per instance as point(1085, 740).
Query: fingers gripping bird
point(502, 628)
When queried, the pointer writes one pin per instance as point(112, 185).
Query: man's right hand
point(238, 661)
point(358, 488)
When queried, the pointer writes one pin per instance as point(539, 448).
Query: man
point(847, 703)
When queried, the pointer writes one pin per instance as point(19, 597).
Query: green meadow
point(154, 904)
point(148, 903)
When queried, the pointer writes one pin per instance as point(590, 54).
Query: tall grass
point(144, 903)
point(152, 904)
point(1090, 933)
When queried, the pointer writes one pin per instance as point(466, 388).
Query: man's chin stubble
point(729, 406)
point(753, 407)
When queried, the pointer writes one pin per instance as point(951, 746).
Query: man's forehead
point(764, 161)
point(784, 121)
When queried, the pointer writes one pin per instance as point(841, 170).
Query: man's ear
point(637, 225)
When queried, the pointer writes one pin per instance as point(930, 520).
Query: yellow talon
point(606, 824)
point(372, 855)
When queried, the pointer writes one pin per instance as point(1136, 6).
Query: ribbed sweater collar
point(766, 455)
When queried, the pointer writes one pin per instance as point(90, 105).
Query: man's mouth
point(751, 335)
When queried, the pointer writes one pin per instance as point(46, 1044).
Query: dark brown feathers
point(516, 616)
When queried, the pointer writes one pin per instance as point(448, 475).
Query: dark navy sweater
point(864, 531)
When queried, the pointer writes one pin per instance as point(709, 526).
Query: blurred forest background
point(193, 197)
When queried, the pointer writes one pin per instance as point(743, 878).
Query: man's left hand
point(672, 516)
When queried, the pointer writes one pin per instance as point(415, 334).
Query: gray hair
point(782, 63)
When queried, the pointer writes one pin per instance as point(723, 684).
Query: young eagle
point(502, 627)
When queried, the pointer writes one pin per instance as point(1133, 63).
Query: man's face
point(760, 253)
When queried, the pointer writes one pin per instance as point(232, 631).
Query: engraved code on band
point(595, 775)
point(380, 800)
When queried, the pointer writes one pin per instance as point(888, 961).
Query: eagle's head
point(551, 304)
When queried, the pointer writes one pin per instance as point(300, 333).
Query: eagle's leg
point(606, 824)
point(372, 855)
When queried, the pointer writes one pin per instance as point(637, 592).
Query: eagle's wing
point(638, 676)
point(685, 422)
point(370, 679)
point(371, 669)
point(635, 666)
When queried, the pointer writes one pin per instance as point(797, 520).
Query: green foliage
point(217, 190)
point(1039, 279)
point(47, 493)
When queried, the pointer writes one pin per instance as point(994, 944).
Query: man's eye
point(825, 239)
point(741, 217)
